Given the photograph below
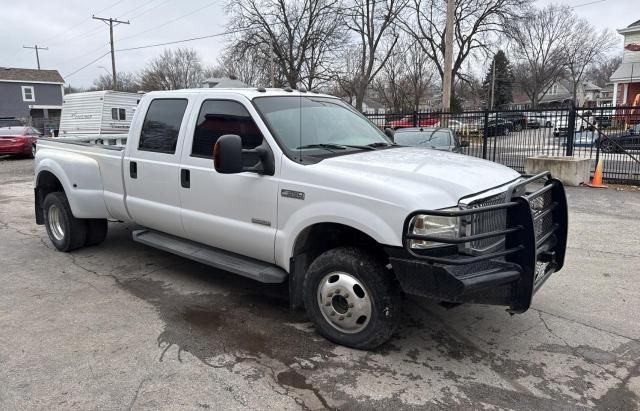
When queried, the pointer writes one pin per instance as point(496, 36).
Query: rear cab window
point(161, 125)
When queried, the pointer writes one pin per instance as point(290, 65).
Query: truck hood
point(410, 173)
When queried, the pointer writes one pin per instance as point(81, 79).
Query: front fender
point(350, 215)
point(80, 178)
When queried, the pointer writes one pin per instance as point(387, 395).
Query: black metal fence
point(610, 134)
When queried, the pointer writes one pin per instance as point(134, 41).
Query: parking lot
point(124, 326)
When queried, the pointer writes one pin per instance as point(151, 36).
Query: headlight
point(444, 227)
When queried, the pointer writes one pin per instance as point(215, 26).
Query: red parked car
point(423, 121)
point(18, 140)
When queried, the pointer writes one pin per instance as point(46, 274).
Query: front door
point(152, 167)
point(233, 212)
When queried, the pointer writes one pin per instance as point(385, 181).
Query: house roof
point(631, 28)
point(626, 73)
point(30, 75)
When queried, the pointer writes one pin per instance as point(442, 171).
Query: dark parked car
point(443, 139)
point(629, 140)
point(518, 120)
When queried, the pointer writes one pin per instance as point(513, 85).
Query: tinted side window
point(217, 118)
point(162, 125)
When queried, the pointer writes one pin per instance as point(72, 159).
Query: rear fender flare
point(84, 190)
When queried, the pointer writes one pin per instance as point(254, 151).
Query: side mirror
point(389, 133)
point(227, 154)
point(464, 143)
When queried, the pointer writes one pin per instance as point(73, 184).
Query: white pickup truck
point(282, 185)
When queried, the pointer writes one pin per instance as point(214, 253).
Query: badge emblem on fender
point(298, 195)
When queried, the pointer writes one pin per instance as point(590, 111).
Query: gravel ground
point(124, 326)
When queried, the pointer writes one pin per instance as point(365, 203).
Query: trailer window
point(220, 117)
point(118, 114)
point(161, 125)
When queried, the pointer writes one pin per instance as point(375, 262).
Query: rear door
point(152, 166)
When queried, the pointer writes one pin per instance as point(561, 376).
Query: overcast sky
point(74, 39)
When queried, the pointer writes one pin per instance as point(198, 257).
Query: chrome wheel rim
point(55, 222)
point(344, 302)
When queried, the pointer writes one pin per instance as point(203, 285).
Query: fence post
point(485, 134)
point(571, 129)
point(415, 119)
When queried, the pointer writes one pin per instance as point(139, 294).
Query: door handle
point(185, 178)
point(133, 169)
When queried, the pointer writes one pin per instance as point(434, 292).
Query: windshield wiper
point(328, 147)
point(381, 144)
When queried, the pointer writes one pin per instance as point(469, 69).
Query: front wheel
point(352, 298)
point(518, 127)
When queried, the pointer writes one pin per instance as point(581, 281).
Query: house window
point(118, 114)
point(28, 94)
point(554, 90)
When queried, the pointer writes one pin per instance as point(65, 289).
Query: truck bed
point(96, 170)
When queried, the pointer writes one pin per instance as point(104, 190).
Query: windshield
point(425, 138)
point(312, 125)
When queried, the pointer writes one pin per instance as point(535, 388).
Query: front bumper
point(534, 248)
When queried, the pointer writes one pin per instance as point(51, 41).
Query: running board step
point(224, 260)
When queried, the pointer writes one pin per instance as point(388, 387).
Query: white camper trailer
point(97, 112)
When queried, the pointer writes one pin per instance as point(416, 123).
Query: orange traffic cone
point(596, 181)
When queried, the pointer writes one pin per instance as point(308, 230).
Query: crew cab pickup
point(287, 186)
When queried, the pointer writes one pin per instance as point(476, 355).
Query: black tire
point(378, 289)
point(608, 146)
point(33, 151)
point(97, 229)
point(547, 124)
point(517, 127)
point(73, 233)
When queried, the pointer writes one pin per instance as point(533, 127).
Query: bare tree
point(371, 22)
point(125, 82)
point(251, 68)
point(403, 82)
point(300, 35)
point(477, 23)
point(601, 72)
point(173, 70)
point(538, 42)
point(585, 48)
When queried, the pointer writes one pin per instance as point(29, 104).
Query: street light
point(105, 69)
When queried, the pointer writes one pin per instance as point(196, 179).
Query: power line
point(84, 22)
point(170, 21)
point(36, 48)
point(587, 4)
point(113, 54)
point(184, 40)
point(158, 45)
point(85, 66)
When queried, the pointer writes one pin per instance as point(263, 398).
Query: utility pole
point(110, 22)
point(36, 48)
point(493, 83)
point(448, 56)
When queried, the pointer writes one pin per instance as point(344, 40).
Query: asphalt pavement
point(125, 326)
